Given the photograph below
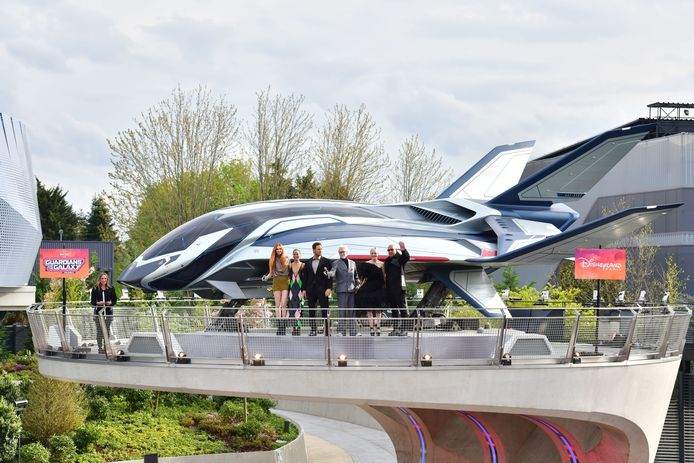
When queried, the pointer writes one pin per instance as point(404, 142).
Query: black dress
point(295, 286)
point(372, 294)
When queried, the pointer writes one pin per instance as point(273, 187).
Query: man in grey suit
point(345, 271)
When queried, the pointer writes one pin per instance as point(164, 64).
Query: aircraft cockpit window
point(183, 236)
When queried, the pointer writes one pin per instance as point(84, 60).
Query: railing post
point(417, 345)
point(105, 335)
point(242, 340)
point(166, 334)
point(573, 337)
point(61, 332)
point(327, 323)
point(626, 350)
point(500, 342)
point(31, 316)
point(662, 352)
point(154, 319)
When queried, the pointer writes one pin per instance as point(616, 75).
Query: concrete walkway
point(362, 444)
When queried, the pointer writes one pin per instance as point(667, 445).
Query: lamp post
point(19, 407)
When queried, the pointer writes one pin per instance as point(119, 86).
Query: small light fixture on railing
point(426, 360)
point(576, 357)
point(182, 358)
point(506, 359)
point(258, 360)
point(342, 360)
point(121, 357)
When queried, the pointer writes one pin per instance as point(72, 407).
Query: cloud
point(464, 76)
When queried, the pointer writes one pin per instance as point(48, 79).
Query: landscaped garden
point(66, 423)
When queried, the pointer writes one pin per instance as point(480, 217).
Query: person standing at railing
point(296, 291)
point(318, 285)
point(395, 286)
point(103, 298)
point(345, 273)
point(279, 272)
point(371, 294)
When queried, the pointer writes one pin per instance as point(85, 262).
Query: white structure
point(20, 224)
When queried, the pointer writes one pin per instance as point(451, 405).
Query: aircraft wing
point(599, 232)
point(497, 171)
point(574, 174)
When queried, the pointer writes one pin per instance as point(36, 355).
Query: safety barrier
point(195, 334)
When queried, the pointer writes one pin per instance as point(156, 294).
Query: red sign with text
point(63, 263)
point(600, 264)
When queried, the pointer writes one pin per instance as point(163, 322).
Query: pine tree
point(99, 222)
point(55, 407)
point(57, 214)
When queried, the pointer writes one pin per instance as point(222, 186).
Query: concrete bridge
point(569, 388)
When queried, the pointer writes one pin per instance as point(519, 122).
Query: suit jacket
point(345, 276)
point(317, 282)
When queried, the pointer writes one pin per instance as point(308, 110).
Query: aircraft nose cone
point(133, 274)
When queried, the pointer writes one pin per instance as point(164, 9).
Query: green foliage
point(673, 280)
point(56, 213)
point(138, 399)
point(89, 458)
point(85, 436)
point(55, 408)
point(248, 430)
point(10, 427)
point(231, 411)
point(34, 453)
point(99, 225)
point(62, 449)
point(131, 436)
point(510, 280)
point(9, 389)
point(98, 408)
point(75, 288)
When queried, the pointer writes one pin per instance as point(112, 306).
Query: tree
point(349, 156)
point(54, 408)
point(57, 214)
point(672, 280)
point(99, 223)
point(181, 142)
point(10, 427)
point(306, 186)
point(419, 175)
point(277, 141)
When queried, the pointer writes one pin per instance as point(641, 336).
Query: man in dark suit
point(395, 285)
point(317, 284)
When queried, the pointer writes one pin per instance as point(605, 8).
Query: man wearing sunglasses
point(394, 268)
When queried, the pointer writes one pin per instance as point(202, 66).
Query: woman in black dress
point(296, 292)
point(371, 294)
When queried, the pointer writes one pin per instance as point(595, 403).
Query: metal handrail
point(652, 339)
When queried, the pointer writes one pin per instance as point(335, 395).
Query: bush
point(85, 436)
point(248, 430)
point(10, 427)
point(55, 408)
point(9, 389)
point(138, 399)
point(89, 458)
point(62, 449)
point(231, 411)
point(265, 404)
point(34, 453)
point(98, 407)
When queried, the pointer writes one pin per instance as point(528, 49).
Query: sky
point(463, 75)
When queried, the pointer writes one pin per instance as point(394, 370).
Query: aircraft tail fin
point(576, 172)
point(497, 171)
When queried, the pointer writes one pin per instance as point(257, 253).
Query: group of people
point(373, 286)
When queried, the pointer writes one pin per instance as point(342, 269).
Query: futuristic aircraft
point(485, 220)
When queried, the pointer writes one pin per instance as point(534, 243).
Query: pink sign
point(600, 264)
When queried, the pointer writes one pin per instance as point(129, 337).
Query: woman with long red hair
point(279, 272)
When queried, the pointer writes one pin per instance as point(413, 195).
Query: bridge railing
point(184, 335)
